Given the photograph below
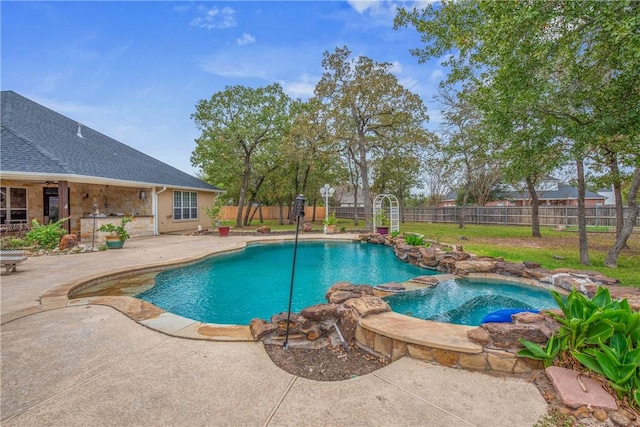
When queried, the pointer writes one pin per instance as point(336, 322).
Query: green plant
point(213, 212)
point(381, 218)
point(395, 234)
point(343, 229)
point(13, 242)
point(331, 219)
point(414, 239)
point(102, 248)
point(600, 333)
point(46, 236)
point(116, 230)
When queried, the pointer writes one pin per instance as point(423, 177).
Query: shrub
point(46, 236)
point(13, 242)
point(414, 239)
point(600, 333)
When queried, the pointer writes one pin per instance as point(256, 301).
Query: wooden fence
point(229, 213)
point(602, 216)
point(599, 216)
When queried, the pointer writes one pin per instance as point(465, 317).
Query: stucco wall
point(166, 222)
point(117, 200)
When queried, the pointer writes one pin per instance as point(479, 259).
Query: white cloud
point(436, 75)
point(302, 88)
point(215, 18)
point(270, 64)
point(245, 39)
point(396, 67)
point(363, 5)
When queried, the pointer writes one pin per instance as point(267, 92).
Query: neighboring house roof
point(40, 143)
point(564, 192)
point(349, 199)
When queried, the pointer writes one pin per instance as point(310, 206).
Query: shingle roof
point(37, 140)
point(562, 193)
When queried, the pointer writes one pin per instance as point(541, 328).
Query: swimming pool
point(466, 301)
point(236, 287)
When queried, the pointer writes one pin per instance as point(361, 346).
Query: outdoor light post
point(326, 192)
point(298, 210)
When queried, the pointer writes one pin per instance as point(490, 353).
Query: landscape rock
point(507, 335)
point(479, 336)
point(263, 229)
point(510, 269)
point(348, 324)
point(261, 328)
point(296, 323)
point(621, 418)
point(571, 393)
point(68, 241)
point(367, 305)
point(463, 268)
point(342, 291)
point(306, 227)
point(320, 312)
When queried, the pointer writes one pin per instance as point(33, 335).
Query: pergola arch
point(394, 211)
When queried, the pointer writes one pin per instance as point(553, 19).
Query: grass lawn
point(514, 243)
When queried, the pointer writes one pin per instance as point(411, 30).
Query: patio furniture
point(11, 258)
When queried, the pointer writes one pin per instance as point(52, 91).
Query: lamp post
point(326, 192)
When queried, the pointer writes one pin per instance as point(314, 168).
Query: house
point(53, 167)
point(551, 192)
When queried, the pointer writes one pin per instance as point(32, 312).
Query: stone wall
point(352, 310)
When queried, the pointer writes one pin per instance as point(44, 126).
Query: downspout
point(155, 209)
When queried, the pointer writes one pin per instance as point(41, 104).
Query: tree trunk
point(535, 207)
point(243, 192)
point(627, 229)
point(582, 215)
point(463, 208)
point(612, 162)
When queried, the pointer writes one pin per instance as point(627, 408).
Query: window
point(185, 205)
point(13, 204)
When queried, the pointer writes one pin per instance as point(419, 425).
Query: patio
point(93, 365)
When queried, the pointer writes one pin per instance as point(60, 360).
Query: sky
point(135, 70)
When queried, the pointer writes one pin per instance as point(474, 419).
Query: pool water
point(466, 302)
point(236, 287)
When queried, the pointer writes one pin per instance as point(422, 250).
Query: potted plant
point(215, 213)
point(118, 233)
point(381, 222)
point(330, 223)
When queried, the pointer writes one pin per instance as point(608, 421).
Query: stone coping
point(446, 336)
point(393, 325)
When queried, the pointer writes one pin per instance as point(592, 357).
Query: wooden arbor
point(393, 211)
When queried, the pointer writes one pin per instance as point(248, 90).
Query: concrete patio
point(91, 365)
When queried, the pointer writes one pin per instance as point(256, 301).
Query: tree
point(464, 142)
point(368, 112)
point(621, 240)
point(576, 64)
point(439, 178)
point(242, 130)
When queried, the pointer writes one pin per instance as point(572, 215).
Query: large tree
point(369, 112)
point(574, 62)
point(242, 131)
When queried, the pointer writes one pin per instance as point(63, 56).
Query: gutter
point(155, 209)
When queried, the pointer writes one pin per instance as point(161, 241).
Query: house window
point(185, 205)
point(13, 204)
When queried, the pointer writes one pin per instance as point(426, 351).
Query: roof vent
point(79, 134)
